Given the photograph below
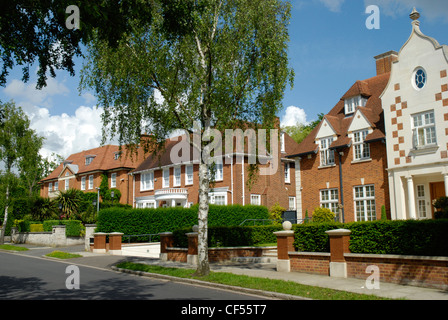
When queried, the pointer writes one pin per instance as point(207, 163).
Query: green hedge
point(73, 228)
point(153, 221)
point(406, 237)
point(231, 236)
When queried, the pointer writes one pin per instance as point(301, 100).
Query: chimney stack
point(384, 62)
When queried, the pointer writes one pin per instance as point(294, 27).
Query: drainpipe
point(242, 176)
point(340, 153)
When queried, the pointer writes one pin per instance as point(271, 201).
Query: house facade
point(415, 104)
point(341, 164)
point(161, 181)
point(84, 170)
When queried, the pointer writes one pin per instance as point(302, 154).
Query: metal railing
point(271, 221)
point(150, 236)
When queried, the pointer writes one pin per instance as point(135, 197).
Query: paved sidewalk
point(262, 270)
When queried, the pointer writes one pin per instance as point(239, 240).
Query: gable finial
point(414, 14)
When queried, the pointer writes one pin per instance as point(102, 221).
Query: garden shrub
point(154, 221)
point(36, 227)
point(231, 236)
point(405, 237)
point(73, 228)
point(323, 215)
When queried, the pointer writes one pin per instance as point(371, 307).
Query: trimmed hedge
point(154, 221)
point(404, 237)
point(231, 236)
point(73, 228)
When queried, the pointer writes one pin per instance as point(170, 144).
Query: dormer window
point(89, 160)
point(350, 104)
point(117, 155)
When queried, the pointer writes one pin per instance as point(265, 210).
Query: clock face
point(420, 78)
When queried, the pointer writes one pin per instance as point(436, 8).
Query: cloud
point(27, 96)
point(65, 134)
point(333, 5)
point(293, 115)
point(433, 9)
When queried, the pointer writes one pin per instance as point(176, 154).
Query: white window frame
point(177, 176)
point(147, 181)
point(287, 173)
point(90, 182)
point(424, 129)
point(421, 201)
point(83, 183)
point(255, 199)
point(350, 104)
point(50, 187)
point(217, 197)
point(282, 142)
point(364, 202)
point(56, 186)
point(219, 171)
point(113, 180)
point(89, 160)
point(166, 178)
point(189, 174)
point(326, 154)
point(329, 198)
point(67, 184)
point(292, 203)
point(361, 150)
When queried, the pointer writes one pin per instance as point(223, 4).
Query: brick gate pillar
point(339, 244)
point(115, 243)
point(285, 243)
point(166, 241)
point(99, 242)
point(192, 255)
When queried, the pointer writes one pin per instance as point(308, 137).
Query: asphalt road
point(29, 278)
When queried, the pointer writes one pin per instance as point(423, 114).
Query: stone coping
point(394, 256)
point(304, 253)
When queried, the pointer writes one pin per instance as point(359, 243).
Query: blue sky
point(330, 49)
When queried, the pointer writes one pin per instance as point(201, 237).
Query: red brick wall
point(310, 263)
point(395, 269)
point(374, 172)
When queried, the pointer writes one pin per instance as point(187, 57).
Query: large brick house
point(160, 181)
point(415, 104)
point(84, 170)
point(343, 160)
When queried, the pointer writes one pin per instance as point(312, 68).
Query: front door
point(437, 191)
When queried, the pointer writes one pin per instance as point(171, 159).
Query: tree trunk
point(5, 219)
point(203, 268)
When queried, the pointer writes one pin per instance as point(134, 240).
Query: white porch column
point(173, 202)
point(445, 179)
point(411, 198)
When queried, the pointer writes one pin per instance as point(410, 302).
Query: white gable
point(325, 130)
point(359, 122)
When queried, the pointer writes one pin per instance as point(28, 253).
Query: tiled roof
point(103, 160)
point(373, 112)
point(163, 157)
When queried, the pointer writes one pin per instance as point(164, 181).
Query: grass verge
point(273, 285)
point(63, 255)
point(12, 248)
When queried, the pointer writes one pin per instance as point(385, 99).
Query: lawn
point(63, 255)
point(12, 248)
point(279, 286)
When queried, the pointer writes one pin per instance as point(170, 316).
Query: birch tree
point(19, 145)
point(221, 64)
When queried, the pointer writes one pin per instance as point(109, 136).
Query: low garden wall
point(426, 271)
point(55, 238)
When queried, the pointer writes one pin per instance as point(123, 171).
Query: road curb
point(257, 292)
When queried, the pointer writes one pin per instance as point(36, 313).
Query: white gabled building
point(415, 104)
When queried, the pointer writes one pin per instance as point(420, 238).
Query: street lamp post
point(98, 201)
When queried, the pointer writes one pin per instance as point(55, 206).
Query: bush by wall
point(74, 228)
point(405, 237)
point(231, 236)
point(152, 221)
